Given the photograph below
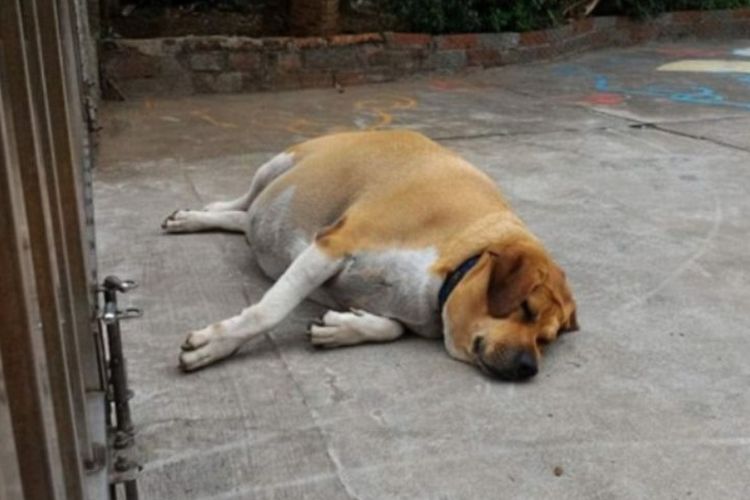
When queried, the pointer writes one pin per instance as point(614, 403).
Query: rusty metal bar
point(24, 364)
point(63, 216)
point(49, 357)
point(63, 94)
point(56, 291)
point(10, 475)
point(82, 91)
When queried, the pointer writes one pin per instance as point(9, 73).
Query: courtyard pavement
point(636, 178)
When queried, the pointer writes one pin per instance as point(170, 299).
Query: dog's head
point(513, 300)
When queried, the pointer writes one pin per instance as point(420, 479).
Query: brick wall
point(219, 64)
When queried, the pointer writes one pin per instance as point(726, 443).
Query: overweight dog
point(393, 232)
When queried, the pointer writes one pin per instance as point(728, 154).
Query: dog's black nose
point(511, 365)
point(525, 365)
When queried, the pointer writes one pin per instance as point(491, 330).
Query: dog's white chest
point(394, 283)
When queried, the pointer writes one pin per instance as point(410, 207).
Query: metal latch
point(120, 424)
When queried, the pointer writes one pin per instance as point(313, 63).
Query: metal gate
point(52, 387)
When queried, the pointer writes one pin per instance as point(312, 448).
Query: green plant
point(205, 5)
point(649, 8)
point(447, 16)
point(457, 16)
point(523, 16)
point(437, 16)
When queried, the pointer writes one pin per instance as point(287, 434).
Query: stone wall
point(219, 64)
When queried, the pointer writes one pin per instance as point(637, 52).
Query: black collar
point(454, 278)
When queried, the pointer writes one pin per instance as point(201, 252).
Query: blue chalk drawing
point(697, 94)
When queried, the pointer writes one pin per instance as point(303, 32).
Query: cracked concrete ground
point(637, 181)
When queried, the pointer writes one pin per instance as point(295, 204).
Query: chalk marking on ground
point(703, 248)
point(213, 121)
point(707, 66)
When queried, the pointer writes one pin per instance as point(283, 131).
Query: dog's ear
point(572, 324)
point(515, 274)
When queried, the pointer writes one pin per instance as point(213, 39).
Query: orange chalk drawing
point(203, 115)
point(368, 114)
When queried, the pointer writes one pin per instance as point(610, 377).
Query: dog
point(394, 233)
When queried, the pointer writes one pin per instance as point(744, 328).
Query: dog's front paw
point(203, 347)
point(335, 329)
point(178, 221)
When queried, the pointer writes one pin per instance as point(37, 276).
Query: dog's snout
point(478, 345)
point(525, 365)
point(508, 365)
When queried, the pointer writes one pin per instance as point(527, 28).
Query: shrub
point(446, 16)
point(648, 8)
point(206, 5)
point(465, 16)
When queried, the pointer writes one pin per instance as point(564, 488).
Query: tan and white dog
point(400, 234)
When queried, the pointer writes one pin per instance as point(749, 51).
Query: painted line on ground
point(707, 66)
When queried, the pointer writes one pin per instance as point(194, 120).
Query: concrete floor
point(636, 179)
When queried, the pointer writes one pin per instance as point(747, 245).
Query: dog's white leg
point(190, 221)
point(229, 215)
point(262, 178)
point(306, 273)
point(355, 327)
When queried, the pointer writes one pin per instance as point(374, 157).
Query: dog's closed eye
point(528, 313)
